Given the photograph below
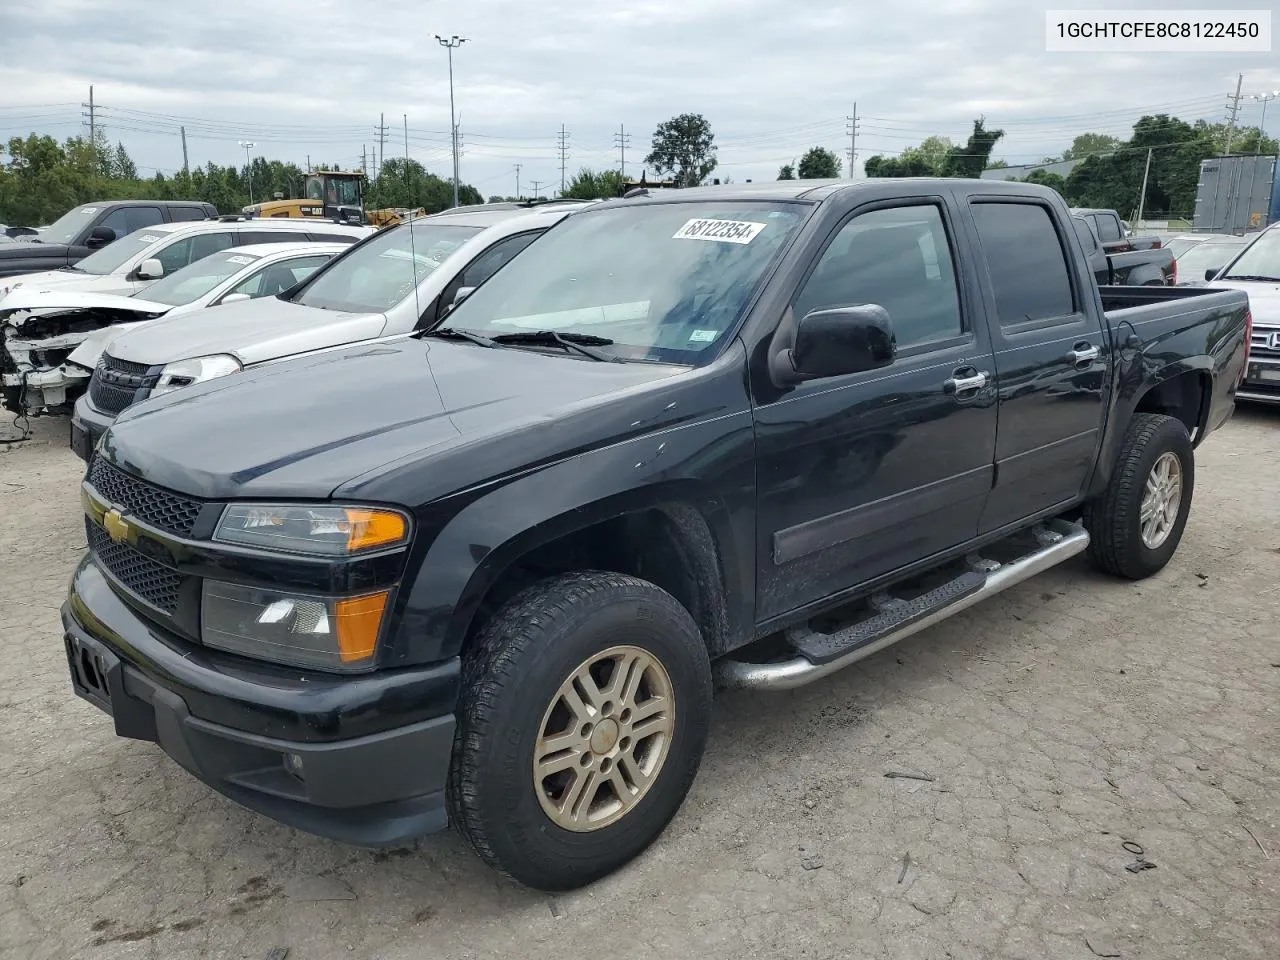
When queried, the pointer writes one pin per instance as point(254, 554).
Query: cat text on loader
point(328, 194)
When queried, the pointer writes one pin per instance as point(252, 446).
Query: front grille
point(117, 385)
point(153, 506)
point(141, 576)
point(1264, 343)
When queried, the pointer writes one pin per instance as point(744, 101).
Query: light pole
point(449, 43)
point(248, 166)
point(1262, 127)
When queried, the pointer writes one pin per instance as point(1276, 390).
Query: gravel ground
point(1056, 721)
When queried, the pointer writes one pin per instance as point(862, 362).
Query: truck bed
point(1128, 298)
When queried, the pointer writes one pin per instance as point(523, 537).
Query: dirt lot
point(1057, 721)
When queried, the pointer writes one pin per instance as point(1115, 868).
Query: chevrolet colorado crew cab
point(488, 574)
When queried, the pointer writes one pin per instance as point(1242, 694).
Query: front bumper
point(88, 424)
point(368, 756)
point(1261, 380)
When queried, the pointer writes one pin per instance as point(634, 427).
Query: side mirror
point(1212, 272)
point(234, 298)
point(151, 269)
point(462, 294)
point(100, 237)
point(833, 342)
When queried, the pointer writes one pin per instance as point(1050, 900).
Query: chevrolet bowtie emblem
point(117, 526)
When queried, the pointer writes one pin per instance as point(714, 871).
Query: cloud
point(302, 77)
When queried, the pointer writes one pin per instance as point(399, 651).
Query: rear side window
point(1086, 235)
point(139, 217)
point(1108, 228)
point(332, 237)
point(183, 214)
point(1025, 260)
point(207, 244)
point(245, 238)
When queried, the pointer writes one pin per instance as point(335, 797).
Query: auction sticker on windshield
point(148, 238)
point(726, 231)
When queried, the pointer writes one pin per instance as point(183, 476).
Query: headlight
point(330, 531)
point(327, 633)
point(183, 373)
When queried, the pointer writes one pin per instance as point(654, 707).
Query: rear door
point(861, 474)
point(1052, 359)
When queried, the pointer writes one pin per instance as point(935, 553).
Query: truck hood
point(252, 331)
point(21, 247)
point(62, 298)
point(1264, 298)
point(305, 427)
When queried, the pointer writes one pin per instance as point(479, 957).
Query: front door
point(859, 475)
point(1052, 357)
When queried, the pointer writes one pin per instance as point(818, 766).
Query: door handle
point(1083, 353)
point(965, 384)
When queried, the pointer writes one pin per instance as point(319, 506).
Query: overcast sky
point(310, 77)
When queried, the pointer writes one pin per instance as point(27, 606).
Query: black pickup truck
point(1141, 267)
point(488, 573)
point(89, 227)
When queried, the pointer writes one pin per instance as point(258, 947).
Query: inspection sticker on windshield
point(726, 231)
point(703, 336)
point(239, 259)
point(148, 238)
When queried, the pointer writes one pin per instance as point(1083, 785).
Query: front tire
point(584, 712)
point(1136, 524)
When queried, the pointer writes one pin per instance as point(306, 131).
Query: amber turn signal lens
point(374, 528)
point(358, 621)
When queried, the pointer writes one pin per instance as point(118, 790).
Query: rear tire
point(584, 712)
point(1136, 524)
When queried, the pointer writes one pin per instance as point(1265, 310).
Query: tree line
point(41, 179)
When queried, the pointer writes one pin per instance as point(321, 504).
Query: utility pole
point(852, 129)
point(382, 139)
point(407, 188)
point(563, 142)
point(248, 166)
point(185, 167)
point(537, 188)
point(450, 44)
point(1235, 112)
point(363, 168)
point(622, 140)
point(517, 181)
point(93, 127)
point(1262, 126)
point(1142, 197)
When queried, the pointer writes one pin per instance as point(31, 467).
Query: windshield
point(194, 281)
point(1193, 263)
point(385, 270)
point(70, 225)
point(664, 282)
point(335, 191)
point(111, 257)
point(1262, 259)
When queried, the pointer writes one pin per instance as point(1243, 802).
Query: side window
point(184, 214)
point(1025, 261)
point(1108, 227)
point(1087, 238)
point(118, 221)
point(332, 237)
point(278, 277)
point(206, 244)
point(898, 258)
point(495, 258)
point(139, 217)
point(246, 237)
point(175, 256)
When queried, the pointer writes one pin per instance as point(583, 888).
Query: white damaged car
point(51, 339)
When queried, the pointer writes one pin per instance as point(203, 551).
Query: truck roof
point(820, 189)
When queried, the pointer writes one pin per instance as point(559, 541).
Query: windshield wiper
point(1249, 276)
point(576, 342)
point(452, 333)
